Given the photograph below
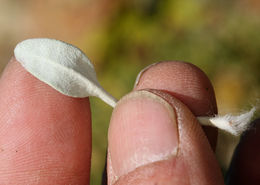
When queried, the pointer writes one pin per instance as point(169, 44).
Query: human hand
point(154, 137)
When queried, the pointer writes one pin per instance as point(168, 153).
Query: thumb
point(155, 139)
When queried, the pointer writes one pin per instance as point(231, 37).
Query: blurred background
point(121, 37)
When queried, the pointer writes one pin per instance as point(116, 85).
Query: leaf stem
point(106, 97)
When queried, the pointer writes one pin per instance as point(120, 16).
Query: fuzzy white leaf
point(62, 66)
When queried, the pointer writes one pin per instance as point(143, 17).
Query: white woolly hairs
point(68, 70)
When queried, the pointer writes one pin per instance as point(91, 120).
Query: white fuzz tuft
point(235, 125)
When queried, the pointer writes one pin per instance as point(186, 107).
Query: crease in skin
point(178, 118)
point(180, 121)
point(154, 158)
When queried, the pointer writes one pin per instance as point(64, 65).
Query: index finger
point(186, 82)
point(45, 137)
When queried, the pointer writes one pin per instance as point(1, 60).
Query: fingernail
point(143, 130)
point(142, 72)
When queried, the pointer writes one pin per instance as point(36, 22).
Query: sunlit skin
point(45, 137)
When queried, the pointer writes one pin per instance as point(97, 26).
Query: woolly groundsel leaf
point(62, 66)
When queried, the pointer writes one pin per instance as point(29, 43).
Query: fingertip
point(186, 82)
point(151, 133)
point(135, 131)
point(51, 132)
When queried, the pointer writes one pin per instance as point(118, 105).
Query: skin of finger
point(186, 82)
point(195, 162)
point(245, 168)
point(45, 137)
